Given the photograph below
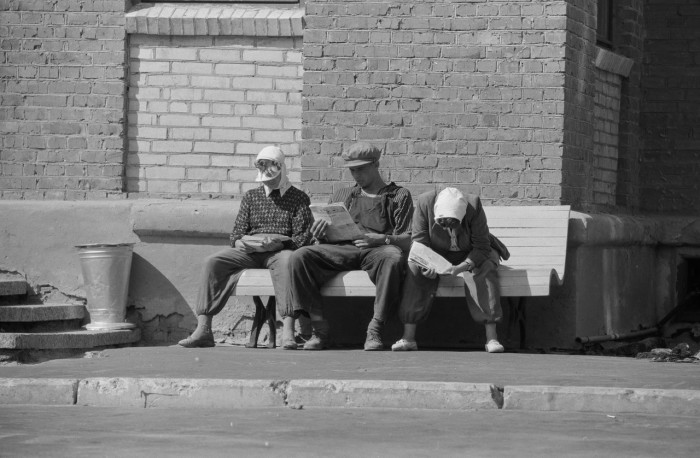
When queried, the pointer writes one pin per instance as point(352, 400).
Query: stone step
point(68, 339)
point(41, 312)
point(12, 285)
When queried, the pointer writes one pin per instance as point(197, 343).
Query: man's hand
point(370, 240)
point(318, 229)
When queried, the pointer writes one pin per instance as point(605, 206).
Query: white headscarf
point(450, 203)
point(273, 153)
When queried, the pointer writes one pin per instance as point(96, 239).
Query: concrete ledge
point(67, 339)
point(184, 218)
point(390, 394)
point(43, 312)
point(613, 230)
point(597, 399)
point(215, 20)
point(613, 62)
point(48, 392)
point(155, 392)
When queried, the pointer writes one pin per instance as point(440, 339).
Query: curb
point(232, 394)
point(599, 399)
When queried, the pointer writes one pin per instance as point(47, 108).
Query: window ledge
point(613, 63)
point(215, 19)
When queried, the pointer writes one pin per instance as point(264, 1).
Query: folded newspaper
point(427, 258)
point(341, 226)
point(257, 240)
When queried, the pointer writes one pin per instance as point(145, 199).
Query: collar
point(283, 188)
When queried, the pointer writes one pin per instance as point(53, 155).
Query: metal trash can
point(106, 269)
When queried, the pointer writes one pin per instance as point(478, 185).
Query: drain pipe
point(644, 332)
point(608, 337)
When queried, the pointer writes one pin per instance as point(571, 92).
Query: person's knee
point(297, 257)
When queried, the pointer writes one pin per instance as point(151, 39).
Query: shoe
point(319, 336)
point(404, 345)
point(289, 344)
point(373, 342)
point(493, 346)
point(204, 341)
point(288, 341)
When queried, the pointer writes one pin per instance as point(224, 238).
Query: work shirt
point(399, 206)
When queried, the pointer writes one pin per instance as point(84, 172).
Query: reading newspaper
point(341, 226)
point(427, 258)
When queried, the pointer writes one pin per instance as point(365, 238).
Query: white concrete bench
point(536, 237)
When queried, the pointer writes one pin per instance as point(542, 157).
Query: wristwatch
point(387, 240)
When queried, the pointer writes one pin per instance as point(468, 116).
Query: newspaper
point(257, 240)
point(427, 258)
point(341, 226)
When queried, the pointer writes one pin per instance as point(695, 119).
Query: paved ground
point(233, 362)
point(89, 431)
point(236, 377)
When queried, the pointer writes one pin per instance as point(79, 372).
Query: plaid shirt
point(275, 214)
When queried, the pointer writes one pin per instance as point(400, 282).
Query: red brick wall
point(469, 94)
point(62, 99)
point(670, 118)
point(629, 41)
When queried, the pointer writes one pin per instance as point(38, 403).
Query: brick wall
point(469, 94)
point(62, 99)
point(606, 138)
point(579, 90)
point(629, 41)
point(670, 119)
point(202, 107)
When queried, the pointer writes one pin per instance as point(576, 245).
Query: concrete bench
point(536, 237)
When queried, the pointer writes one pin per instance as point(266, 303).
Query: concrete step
point(41, 312)
point(12, 285)
point(68, 339)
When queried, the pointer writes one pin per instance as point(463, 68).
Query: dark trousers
point(312, 266)
point(481, 289)
point(223, 269)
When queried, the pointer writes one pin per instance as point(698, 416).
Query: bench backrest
point(536, 237)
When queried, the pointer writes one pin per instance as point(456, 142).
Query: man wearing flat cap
point(383, 212)
point(273, 220)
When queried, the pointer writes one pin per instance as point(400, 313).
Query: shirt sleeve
point(301, 223)
point(420, 229)
point(481, 245)
point(403, 211)
point(242, 225)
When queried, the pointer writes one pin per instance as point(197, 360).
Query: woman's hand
point(428, 272)
point(241, 245)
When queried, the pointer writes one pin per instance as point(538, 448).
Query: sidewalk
point(236, 377)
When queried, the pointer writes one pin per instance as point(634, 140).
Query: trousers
point(223, 269)
point(312, 266)
point(481, 290)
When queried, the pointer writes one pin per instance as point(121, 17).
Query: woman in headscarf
point(273, 220)
point(454, 226)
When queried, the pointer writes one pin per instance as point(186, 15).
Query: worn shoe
point(288, 341)
point(373, 342)
point(319, 336)
point(404, 345)
point(289, 344)
point(493, 346)
point(202, 340)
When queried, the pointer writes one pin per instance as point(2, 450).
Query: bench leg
point(264, 313)
point(272, 321)
point(517, 318)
